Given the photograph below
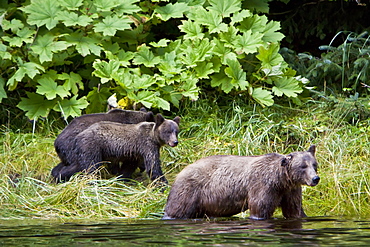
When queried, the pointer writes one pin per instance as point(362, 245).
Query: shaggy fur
point(109, 142)
point(65, 140)
point(225, 185)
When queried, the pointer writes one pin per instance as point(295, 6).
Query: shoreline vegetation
point(207, 128)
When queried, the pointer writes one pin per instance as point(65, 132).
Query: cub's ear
point(159, 119)
point(143, 109)
point(312, 150)
point(286, 160)
point(177, 120)
point(149, 117)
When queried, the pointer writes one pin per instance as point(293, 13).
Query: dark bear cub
point(65, 141)
point(225, 185)
point(116, 143)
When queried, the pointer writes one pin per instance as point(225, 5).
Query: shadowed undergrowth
point(207, 128)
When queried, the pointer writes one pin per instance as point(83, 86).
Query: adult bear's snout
point(315, 180)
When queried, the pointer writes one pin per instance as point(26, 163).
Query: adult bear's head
point(302, 167)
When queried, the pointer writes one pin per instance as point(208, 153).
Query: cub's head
point(302, 167)
point(167, 130)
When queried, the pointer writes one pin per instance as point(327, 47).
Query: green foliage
point(340, 70)
point(70, 55)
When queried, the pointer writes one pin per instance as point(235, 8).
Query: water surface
point(321, 231)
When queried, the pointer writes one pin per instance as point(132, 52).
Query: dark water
point(228, 232)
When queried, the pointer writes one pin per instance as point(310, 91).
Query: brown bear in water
point(105, 142)
point(225, 185)
point(64, 142)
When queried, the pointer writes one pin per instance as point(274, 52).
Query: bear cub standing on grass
point(225, 185)
point(109, 142)
point(65, 141)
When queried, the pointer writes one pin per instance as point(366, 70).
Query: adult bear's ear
point(286, 160)
point(159, 119)
point(149, 117)
point(312, 150)
point(177, 120)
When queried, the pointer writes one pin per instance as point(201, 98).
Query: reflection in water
point(221, 232)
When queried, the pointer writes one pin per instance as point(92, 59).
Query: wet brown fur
point(225, 185)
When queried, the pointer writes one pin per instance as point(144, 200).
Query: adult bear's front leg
point(291, 204)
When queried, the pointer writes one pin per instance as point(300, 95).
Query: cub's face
point(168, 132)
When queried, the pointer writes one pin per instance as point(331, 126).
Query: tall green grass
point(207, 128)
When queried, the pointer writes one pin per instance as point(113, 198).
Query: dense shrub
point(71, 55)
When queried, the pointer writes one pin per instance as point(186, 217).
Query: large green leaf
point(204, 69)
point(71, 107)
point(162, 104)
point(254, 23)
point(236, 73)
point(14, 25)
point(288, 86)
point(106, 5)
point(257, 5)
point(270, 57)
point(105, 70)
point(239, 16)
point(192, 29)
point(43, 12)
point(4, 54)
point(171, 11)
point(147, 98)
point(31, 69)
point(84, 45)
point(71, 4)
point(263, 97)
point(50, 88)
point(226, 7)
point(128, 7)
point(73, 19)
point(169, 66)
point(221, 79)
point(189, 86)
point(223, 51)
point(211, 19)
point(35, 106)
point(25, 35)
point(229, 36)
point(160, 43)
point(72, 82)
point(111, 24)
point(142, 82)
point(196, 51)
point(145, 56)
point(270, 32)
point(248, 42)
point(45, 47)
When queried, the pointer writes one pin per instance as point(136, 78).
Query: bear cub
point(225, 185)
point(116, 143)
point(64, 142)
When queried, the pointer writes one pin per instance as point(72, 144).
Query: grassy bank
point(207, 128)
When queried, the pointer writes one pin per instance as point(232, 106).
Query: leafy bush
point(71, 55)
point(343, 69)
